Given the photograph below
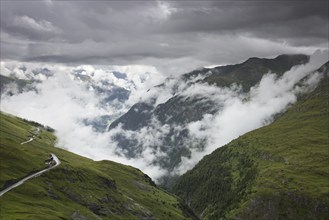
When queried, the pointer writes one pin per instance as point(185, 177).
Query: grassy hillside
point(180, 110)
point(280, 171)
point(78, 188)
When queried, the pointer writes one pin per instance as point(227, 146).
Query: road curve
point(28, 141)
point(57, 162)
point(32, 138)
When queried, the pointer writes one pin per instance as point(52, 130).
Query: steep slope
point(179, 110)
point(78, 188)
point(252, 70)
point(280, 171)
point(247, 74)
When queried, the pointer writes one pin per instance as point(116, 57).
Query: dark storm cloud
point(166, 34)
point(271, 19)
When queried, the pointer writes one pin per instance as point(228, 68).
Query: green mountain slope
point(78, 188)
point(280, 171)
point(179, 110)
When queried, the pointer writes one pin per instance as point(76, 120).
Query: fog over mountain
point(162, 109)
point(71, 100)
point(114, 79)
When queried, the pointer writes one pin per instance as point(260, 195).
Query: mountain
point(279, 171)
point(17, 85)
point(182, 107)
point(111, 88)
point(249, 72)
point(79, 188)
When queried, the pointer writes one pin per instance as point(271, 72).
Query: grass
point(78, 187)
point(280, 171)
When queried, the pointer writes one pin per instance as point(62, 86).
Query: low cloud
point(65, 98)
point(242, 112)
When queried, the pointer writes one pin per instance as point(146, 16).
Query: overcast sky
point(173, 36)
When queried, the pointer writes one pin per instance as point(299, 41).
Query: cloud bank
point(65, 96)
point(242, 113)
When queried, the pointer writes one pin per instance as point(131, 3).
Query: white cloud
point(63, 103)
point(241, 113)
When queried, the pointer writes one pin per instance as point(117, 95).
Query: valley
point(78, 188)
point(164, 110)
point(276, 171)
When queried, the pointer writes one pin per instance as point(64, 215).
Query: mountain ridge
point(238, 72)
point(279, 171)
point(269, 173)
point(178, 110)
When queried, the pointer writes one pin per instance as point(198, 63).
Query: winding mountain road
point(57, 162)
point(28, 141)
point(32, 138)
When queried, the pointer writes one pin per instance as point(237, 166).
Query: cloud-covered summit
point(173, 36)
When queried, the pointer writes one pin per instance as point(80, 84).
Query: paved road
point(28, 141)
point(57, 162)
point(32, 138)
